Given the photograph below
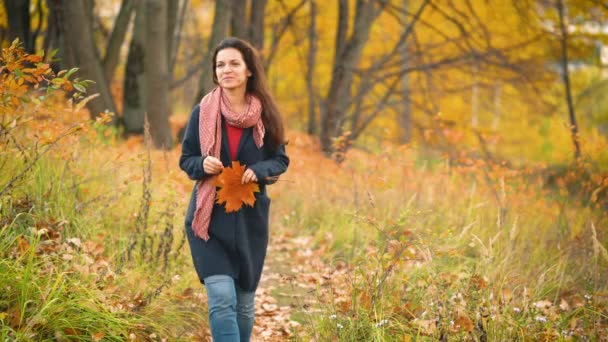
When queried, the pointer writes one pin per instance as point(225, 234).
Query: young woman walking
point(238, 120)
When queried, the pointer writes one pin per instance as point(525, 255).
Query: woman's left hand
point(248, 177)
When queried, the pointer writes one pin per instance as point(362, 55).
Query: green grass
point(65, 228)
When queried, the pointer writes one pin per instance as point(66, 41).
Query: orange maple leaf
point(231, 191)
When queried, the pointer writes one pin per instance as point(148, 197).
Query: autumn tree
point(79, 50)
point(570, 36)
point(452, 47)
point(348, 50)
point(139, 70)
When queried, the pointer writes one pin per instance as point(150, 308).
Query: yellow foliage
point(3, 17)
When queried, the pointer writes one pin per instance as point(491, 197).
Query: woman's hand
point(212, 165)
point(248, 177)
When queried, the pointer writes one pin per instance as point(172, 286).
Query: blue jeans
point(231, 309)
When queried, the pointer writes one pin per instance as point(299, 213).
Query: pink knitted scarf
point(212, 106)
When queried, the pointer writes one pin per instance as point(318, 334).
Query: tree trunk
point(156, 66)
point(346, 60)
point(18, 13)
point(238, 19)
point(172, 13)
point(312, 51)
point(80, 51)
point(566, 79)
point(219, 30)
point(53, 40)
point(475, 95)
point(329, 118)
point(256, 24)
point(117, 37)
point(497, 96)
point(177, 34)
point(342, 30)
point(134, 94)
point(405, 117)
point(38, 29)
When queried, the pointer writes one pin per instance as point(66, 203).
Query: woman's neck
point(237, 98)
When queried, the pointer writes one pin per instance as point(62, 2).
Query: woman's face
point(230, 69)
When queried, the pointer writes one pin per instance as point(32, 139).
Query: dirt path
point(280, 298)
point(287, 296)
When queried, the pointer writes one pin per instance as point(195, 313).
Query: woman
point(238, 120)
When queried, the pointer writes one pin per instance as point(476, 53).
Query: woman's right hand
point(212, 165)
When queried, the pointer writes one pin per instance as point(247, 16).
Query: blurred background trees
point(518, 79)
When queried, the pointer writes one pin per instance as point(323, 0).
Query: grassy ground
point(419, 248)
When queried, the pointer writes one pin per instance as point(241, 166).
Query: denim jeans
point(231, 309)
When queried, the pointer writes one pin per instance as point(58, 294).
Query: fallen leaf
point(232, 192)
point(564, 305)
point(98, 336)
point(24, 245)
point(70, 331)
point(269, 307)
point(14, 315)
point(426, 327)
point(464, 322)
point(543, 304)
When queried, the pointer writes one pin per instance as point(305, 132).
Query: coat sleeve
point(268, 170)
point(191, 159)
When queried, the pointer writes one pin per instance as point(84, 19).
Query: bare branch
point(286, 22)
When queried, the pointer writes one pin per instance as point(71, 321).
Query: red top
point(234, 138)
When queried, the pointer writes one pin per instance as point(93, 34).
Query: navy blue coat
point(238, 240)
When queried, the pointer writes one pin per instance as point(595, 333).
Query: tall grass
point(438, 248)
point(90, 238)
point(62, 243)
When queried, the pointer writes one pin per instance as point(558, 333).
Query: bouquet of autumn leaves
point(231, 191)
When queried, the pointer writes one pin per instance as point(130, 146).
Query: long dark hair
point(258, 86)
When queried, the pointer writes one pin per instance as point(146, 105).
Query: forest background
point(448, 179)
